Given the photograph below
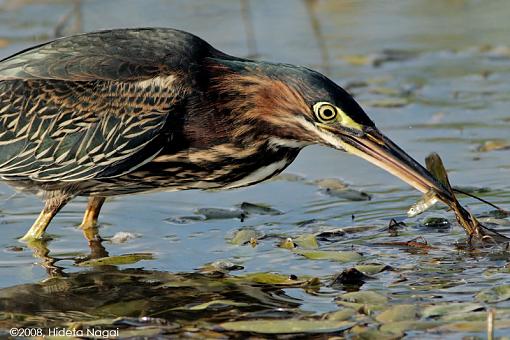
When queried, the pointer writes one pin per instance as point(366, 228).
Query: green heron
point(134, 110)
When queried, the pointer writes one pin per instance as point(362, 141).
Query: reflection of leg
point(51, 208)
point(89, 224)
point(41, 251)
point(97, 250)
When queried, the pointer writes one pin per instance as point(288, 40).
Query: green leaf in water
point(471, 326)
point(495, 294)
point(287, 243)
point(493, 145)
point(372, 268)
point(365, 297)
point(331, 183)
point(403, 326)
point(245, 235)
point(398, 313)
point(221, 265)
point(376, 334)
point(259, 209)
point(219, 214)
point(288, 326)
point(340, 256)
point(341, 315)
point(336, 188)
point(279, 279)
point(307, 241)
point(449, 308)
point(117, 260)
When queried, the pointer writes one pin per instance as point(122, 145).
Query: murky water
point(432, 75)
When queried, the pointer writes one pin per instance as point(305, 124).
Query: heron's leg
point(51, 207)
point(89, 224)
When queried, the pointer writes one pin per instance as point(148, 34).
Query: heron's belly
point(228, 177)
point(174, 174)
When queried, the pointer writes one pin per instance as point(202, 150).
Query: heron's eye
point(325, 112)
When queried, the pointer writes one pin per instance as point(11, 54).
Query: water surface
point(432, 75)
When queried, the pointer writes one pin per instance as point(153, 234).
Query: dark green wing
point(121, 54)
point(91, 106)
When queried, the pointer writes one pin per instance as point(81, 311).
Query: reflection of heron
point(64, 20)
point(41, 251)
point(132, 110)
point(317, 31)
point(115, 297)
point(251, 42)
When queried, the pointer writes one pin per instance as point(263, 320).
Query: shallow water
point(432, 75)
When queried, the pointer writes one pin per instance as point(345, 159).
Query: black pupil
point(328, 113)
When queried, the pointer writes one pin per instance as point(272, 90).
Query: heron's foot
point(52, 206)
point(37, 230)
point(89, 224)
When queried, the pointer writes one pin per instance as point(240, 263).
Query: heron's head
point(295, 106)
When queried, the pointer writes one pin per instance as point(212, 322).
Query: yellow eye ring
point(325, 112)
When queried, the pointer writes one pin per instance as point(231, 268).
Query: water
point(432, 75)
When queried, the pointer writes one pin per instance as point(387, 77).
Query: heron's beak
point(376, 148)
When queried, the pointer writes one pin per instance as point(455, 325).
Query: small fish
point(474, 229)
point(427, 201)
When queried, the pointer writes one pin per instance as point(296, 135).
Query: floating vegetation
point(288, 243)
point(279, 279)
point(336, 188)
point(372, 268)
point(221, 265)
point(340, 256)
point(246, 235)
point(416, 243)
point(116, 260)
point(259, 209)
point(364, 297)
point(398, 313)
point(307, 241)
point(377, 276)
point(292, 326)
point(219, 214)
point(493, 145)
point(495, 294)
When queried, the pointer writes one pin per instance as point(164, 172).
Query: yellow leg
point(51, 208)
point(89, 224)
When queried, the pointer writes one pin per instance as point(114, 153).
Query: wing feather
point(94, 105)
point(72, 141)
point(120, 54)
